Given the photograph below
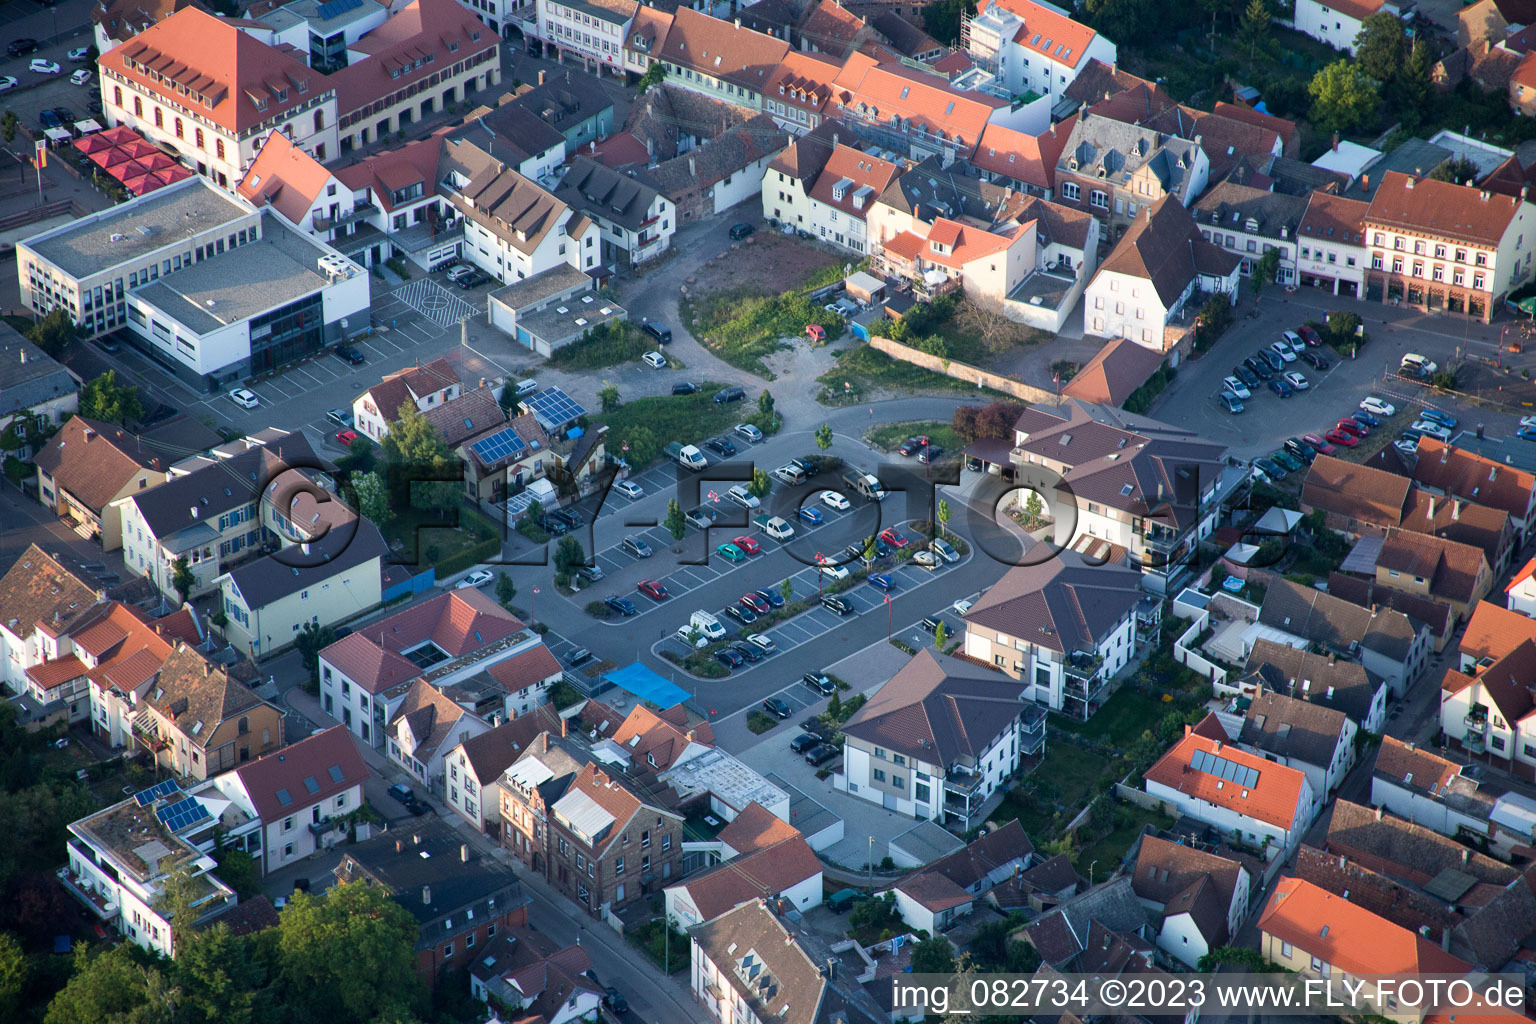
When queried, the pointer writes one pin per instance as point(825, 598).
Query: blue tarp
point(647, 685)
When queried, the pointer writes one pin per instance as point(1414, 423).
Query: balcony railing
point(1475, 726)
point(88, 892)
point(361, 211)
point(1083, 667)
point(1164, 542)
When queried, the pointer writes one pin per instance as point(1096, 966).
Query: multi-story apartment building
point(475, 766)
point(1249, 222)
point(1032, 48)
point(593, 31)
point(1151, 489)
point(826, 188)
point(636, 221)
point(536, 779)
point(1488, 716)
point(719, 58)
point(197, 721)
point(1116, 171)
point(895, 755)
point(1062, 628)
point(798, 91)
point(1448, 248)
point(1331, 244)
point(607, 846)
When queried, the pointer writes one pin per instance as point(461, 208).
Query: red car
point(1339, 437)
point(652, 589)
point(346, 437)
point(1354, 427)
point(1309, 336)
point(1322, 447)
point(755, 603)
point(894, 537)
point(748, 545)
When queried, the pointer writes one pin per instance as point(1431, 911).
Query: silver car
point(635, 546)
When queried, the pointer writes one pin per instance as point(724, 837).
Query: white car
point(1297, 380)
point(630, 489)
point(81, 77)
point(44, 67)
point(478, 578)
point(245, 398)
point(1414, 361)
point(8, 82)
point(1237, 387)
point(766, 643)
point(962, 606)
point(1378, 407)
point(460, 272)
point(1294, 340)
point(834, 572)
point(655, 359)
point(80, 53)
point(1406, 446)
point(1432, 428)
point(832, 499)
point(1283, 350)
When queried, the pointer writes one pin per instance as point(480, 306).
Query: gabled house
point(719, 59)
point(1520, 592)
point(471, 414)
point(1325, 679)
point(935, 897)
point(1249, 222)
point(1438, 618)
point(197, 721)
point(1491, 633)
point(1116, 170)
point(1385, 641)
point(594, 33)
point(399, 210)
point(1431, 566)
point(636, 221)
point(607, 845)
point(1063, 629)
point(919, 114)
point(1020, 160)
point(39, 599)
point(1490, 715)
point(117, 21)
point(475, 765)
point(749, 967)
point(1033, 48)
point(424, 727)
point(799, 89)
point(518, 132)
point(1331, 240)
point(540, 776)
point(1089, 924)
point(1205, 777)
point(1428, 789)
point(1317, 739)
point(122, 653)
point(1338, 22)
point(939, 739)
point(787, 871)
point(1405, 850)
point(290, 804)
point(1457, 473)
point(1150, 276)
point(524, 971)
point(37, 392)
point(288, 179)
point(719, 172)
point(87, 466)
point(825, 187)
point(425, 387)
point(1201, 896)
point(460, 898)
point(501, 461)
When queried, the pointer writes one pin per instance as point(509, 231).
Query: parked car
point(756, 602)
point(1270, 470)
point(930, 453)
point(1300, 449)
point(1297, 380)
point(8, 82)
point(748, 545)
point(1259, 367)
point(459, 270)
point(685, 388)
point(1406, 446)
point(346, 437)
point(79, 54)
point(244, 398)
point(1310, 336)
point(832, 499)
point(1446, 420)
point(777, 706)
point(821, 754)
point(1433, 429)
point(615, 1001)
point(721, 446)
point(81, 77)
point(1236, 387)
point(659, 331)
point(21, 47)
point(1361, 416)
point(729, 658)
point(1315, 361)
point(945, 550)
point(745, 616)
point(894, 537)
point(840, 605)
point(1285, 353)
point(925, 560)
point(763, 643)
point(653, 589)
point(1231, 402)
point(812, 515)
point(44, 67)
point(730, 394)
point(1281, 388)
point(655, 360)
point(630, 489)
point(751, 652)
point(402, 793)
point(48, 119)
point(590, 573)
point(1248, 377)
point(739, 231)
point(1287, 460)
point(1318, 445)
point(803, 742)
point(635, 546)
point(1352, 426)
point(910, 446)
point(1293, 339)
point(748, 433)
point(703, 517)
point(1339, 437)
point(348, 354)
point(1378, 406)
point(623, 605)
point(881, 581)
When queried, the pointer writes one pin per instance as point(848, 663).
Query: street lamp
point(820, 561)
point(871, 863)
point(533, 607)
point(1091, 865)
point(887, 618)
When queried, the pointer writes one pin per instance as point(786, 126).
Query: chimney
point(464, 853)
point(426, 894)
point(738, 23)
point(1484, 194)
point(1378, 814)
point(541, 82)
point(1188, 729)
point(564, 726)
point(23, 357)
point(693, 171)
point(1365, 182)
point(1408, 183)
point(1466, 856)
point(193, 510)
point(1335, 142)
point(399, 845)
point(1456, 510)
point(1431, 513)
point(416, 839)
point(1523, 190)
point(1445, 939)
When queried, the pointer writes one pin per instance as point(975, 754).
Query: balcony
point(360, 212)
point(88, 892)
point(324, 825)
point(1167, 543)
point(1083, 666)
point(1475, 724)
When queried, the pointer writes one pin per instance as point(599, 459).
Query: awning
point(88, 127)
point(58, 136)
point(94, 143)
point(647, 685)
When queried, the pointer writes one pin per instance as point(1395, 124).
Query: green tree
point(1382, 46)
point(824, 436)
point(1265, 269)
point(219, 975)
point(835, 705)
point(372, 494)
point(1255, 27)
point(350, 954)
point(1034, 511)
point(942, 18)
point(1022, 958)
point(360, 452)
point(1412, 90)
point(54, 332)
point(675, 523)
point(943, 515)
point(182, 579)
point(109, 988)
point(423, 469)
point(104, 399)
point(9, 123)
point(608, 397)
point(1457, 170)
point(14, 970)
point(1344, 98)
point(940, 634)
point(506, 590)
point(1118, 19)
point(765, 403)
point(787, 590)
point(569, 555)
point(654, 75)
point(237, 869)
point(761, 484)
point(933, 956)
point(313, 639)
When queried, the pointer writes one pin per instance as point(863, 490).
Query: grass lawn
point(610, 344)
point(889, 436)
point(450, 548)
point(1122, 719)
point(648, 425)
point(1110, 850)
point(743, 325)
point(868, 370)
point(652, 939)
point(1068, 778)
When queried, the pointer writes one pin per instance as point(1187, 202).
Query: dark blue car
point(881, 581)
point(811, 514)
point(773, 597)
point(1281, 388)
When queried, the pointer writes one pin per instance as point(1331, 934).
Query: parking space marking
point(435, 302)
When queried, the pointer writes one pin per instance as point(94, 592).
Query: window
point(288, 824)
point(1285, 950)
point(1069, 190)
point(448, 951)
point(666, 842)
point(880, 752)
point(899, 759)
point(1099, 199)
point(879, 774)
point(618, 866)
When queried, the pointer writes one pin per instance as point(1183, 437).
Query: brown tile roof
point(1357, 9)
point(197, 696)
point(832, 28)
point(1322, 678)
point(1349, 937)
point(439, 29)
point(650, 741)
point(1407, 765)
point(1356, 492)
point(1237, 112)
point(1465, 522)
point(248, 916)
point(515, 209)
point(1293, 729)
point(1114, 373)
point(1060, 604)
point(1440, 209)
point(383, 172)
point(1165, 248)
point(611, 794)
point(1028, 158)
point(298, 776)
point(933, 891)
point(493, 752)
point(56, 672)
point(938, 709)
point(1434, 614)
point(1164, 869)
point(722, 50)
point(371, 666)
point(1331, 218)
point(37, 591)
point(123, 19)
point(1455, 571)
point(1471, 477)
point(226, 71)
point(1313, 615)
point(648, 31)
point(529, 668)
point(765, 872)
point(429, 715)
point(1402, 849)
point(980, 857)
point(859, 174)
point(755, 828)
point(459, 622)
point(473, 412)
point(1493, 632)
point(1206, 904)
point(94, 461)
point(1275, 798)
point(1096, 80)
point(1398, 903)
point(794, 989)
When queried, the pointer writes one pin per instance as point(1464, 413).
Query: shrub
point(761, 722)
point(599, 610)
point(608, 344)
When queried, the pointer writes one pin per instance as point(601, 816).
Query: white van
point(1418, 364)
point(706, 624)
point(525, 387)
point(743, 497)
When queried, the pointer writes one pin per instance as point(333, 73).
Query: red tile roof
point(1472, 477)
point(1237, 112)
point(369, 665)
point(1441, 209)
point(858, 173)
point(1357, 9)
point(1348, 937)
point(1114, 373)
point(1493, 632)
point(934, 891)
point(1028, 158)
point(1332, 218)
point(1046, 31)
point(763, 872)
point(284, 177)
point(381, 173)
point(927, 102)
point(650, 741)
point(722, 50)
point(529, 668)
point(458, 622)
point(226, 71)
point(1273, 799)
point(93, 461)
point(314, 769)
point(422, 28)
point(53, 673)
point(755, 828)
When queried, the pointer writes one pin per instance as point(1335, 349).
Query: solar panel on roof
point(183, 814)
point(336, 775)
point(554, 406)
point(500, 445)
point(1197, 760)
point(1252, 777)
point(335, 7)
point(157, 791)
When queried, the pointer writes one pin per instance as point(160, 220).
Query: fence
point(1146, 801)
point(1184, 653)
point(964, 371)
